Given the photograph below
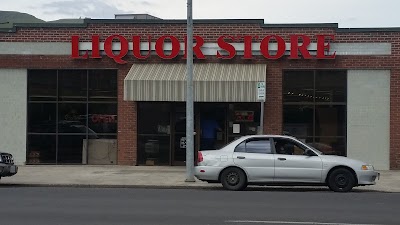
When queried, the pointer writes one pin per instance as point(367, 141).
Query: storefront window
point(71, 115)
point(42, 149)
point(154, 118)
point(102, 85)
point(330, 145)
point(298, 86)
point(330, 120)
point(318, 114)
point(103, 117)
point(330, 86)
point(154, 150)
point(42, 117)
point(298, 120)
point(42, 85)
point(72, 118)
point(70, 149)
point(72, 85)
point(154, 133)
point(243, 119)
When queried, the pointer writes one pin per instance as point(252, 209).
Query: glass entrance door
point(210, 127)
point(179, 136)
point(213, 125)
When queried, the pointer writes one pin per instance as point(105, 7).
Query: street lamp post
point(189, 97)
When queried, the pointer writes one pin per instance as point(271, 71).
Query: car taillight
point(199, 156)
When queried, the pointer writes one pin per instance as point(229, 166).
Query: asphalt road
point(101, 206)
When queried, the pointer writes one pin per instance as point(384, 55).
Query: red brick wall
point(127, 125)
point(127, 111)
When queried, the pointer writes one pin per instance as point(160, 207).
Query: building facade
point(113, 91)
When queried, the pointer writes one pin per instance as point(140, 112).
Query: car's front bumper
point(207, 173)
point(367, 177)
point(7, 170)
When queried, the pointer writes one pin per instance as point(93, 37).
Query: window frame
point(59, 101)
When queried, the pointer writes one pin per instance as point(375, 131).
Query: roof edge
point(301, 25)
point(177, 21)
point(86, 21)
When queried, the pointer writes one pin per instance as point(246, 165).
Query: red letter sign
point(124, 48)
point(196, 48)
point(295, 47)
point(136, 48)
point(321, 47)
point(75, 49)
point(264, 48)
point(227, 47)
point(248, 54)
point(175, 47)
point(95, 47)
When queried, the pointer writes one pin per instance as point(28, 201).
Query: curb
point(250, 188)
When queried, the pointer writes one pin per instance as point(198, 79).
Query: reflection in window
point(72, 118)
point(241, 147)
point(318, 114)
point(298, 86)
point(153, 150)
point(154, 133)
point(103, 118)
point(71, 102)
point(258, 146)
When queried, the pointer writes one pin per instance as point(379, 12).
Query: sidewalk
point(141, 176)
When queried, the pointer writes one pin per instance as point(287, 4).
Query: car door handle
point(241, 157)
point(282, 159)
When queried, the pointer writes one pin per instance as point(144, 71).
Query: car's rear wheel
point(341, 180)
point(234, 179)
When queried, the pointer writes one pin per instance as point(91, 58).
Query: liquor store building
point(113, 91)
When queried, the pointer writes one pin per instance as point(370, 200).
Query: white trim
point(208, 49)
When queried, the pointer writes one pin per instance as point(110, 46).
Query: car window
point(262, 146)
point(288, 147)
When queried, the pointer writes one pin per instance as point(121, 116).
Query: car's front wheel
point(341, 180)
point(234, 179)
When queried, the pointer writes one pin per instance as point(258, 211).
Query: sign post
point(261, 98)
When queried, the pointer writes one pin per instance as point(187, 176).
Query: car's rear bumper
point(7, 170)
point(367, 177)
point(207, 173)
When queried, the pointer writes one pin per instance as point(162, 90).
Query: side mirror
point(310, 153)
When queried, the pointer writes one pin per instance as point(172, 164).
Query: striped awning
point(213, 82)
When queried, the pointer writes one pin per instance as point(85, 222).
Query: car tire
point(341, 180)
point(234, 179)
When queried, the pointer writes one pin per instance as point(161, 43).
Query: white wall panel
point(13, 113)
point(368, 117)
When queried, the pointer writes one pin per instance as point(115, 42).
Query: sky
point(347, 13)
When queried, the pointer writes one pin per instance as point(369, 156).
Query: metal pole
point(189, 97)
point(261, 131)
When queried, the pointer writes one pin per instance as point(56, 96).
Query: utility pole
point(189, 97)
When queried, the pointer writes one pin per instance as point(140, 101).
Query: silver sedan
point(280, 160)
